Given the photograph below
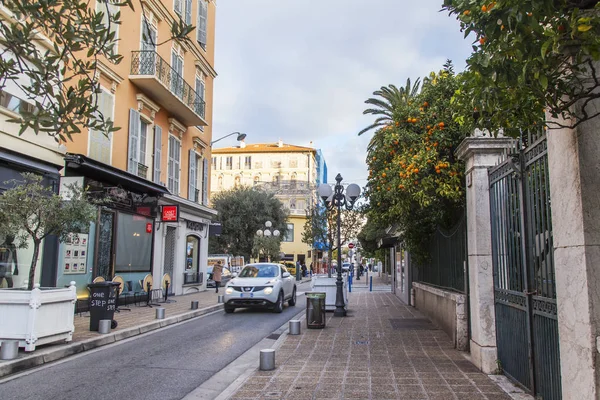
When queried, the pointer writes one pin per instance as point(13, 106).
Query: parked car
point(225, 277)
point(346, 267)
point(263, 285)
point(291, 267)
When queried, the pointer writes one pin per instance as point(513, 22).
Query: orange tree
point(529, 56)
point(415, 179)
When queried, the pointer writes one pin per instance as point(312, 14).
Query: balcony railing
point(148, 62)
point(197, 195)
point(142, 171)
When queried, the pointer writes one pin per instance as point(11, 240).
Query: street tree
point(321, 227)
point(267, 247)
point(242, 211)
point(529, 57)
point(59, 76)
point(387, 99)
point(30, 212)
point(415, 179)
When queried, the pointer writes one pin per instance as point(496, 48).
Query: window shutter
point(171, 166)
point(134, 135)
point(192, 176)
point(157, 151)
point(205, 181)
point(143, 141)
point(177, 166)
point(177, 7)
point(202, 19)
point(188, 12)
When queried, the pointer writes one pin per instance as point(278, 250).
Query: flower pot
point(38, 316)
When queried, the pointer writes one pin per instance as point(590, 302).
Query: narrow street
point(166, 364)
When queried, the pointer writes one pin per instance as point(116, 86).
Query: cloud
point(301, 70)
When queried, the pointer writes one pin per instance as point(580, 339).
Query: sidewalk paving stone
point(382, 350)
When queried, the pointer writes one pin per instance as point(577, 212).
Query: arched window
point(293, 180)
point(220, 183)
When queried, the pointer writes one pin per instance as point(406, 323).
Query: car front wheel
point(279, 305)
point(229, 310)
point(292, 301)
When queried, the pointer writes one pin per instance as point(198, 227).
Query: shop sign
point(170, 214)
point(194, 226)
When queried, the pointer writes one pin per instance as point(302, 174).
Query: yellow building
point(289, 171)
point(161, 97)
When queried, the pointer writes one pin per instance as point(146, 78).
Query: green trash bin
point(315, 310)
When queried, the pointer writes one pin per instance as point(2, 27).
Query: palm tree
point(391, 97)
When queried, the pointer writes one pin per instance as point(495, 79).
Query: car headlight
point(268, 290)
point(229, 290)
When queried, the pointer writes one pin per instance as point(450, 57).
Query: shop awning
point(109, 174)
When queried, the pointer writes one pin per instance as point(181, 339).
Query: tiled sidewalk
point(383, 349)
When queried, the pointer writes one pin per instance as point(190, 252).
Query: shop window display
point(16, 262)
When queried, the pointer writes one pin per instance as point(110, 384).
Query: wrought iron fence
point(448, 257)
point(148, 62)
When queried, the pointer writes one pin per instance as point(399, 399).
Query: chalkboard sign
point(103, 303)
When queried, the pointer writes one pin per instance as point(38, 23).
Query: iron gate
point(524, 279)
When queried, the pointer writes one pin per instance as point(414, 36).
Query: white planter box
point(321, 283)
point(35, 317)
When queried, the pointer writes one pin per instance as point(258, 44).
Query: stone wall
point(446, 309)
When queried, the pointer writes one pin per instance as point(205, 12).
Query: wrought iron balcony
point(163, 84)
point(142, 171)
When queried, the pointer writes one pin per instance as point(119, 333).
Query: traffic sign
point(350, 245)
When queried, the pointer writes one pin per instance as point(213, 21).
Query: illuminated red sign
point(170, 213)
point(149, 227)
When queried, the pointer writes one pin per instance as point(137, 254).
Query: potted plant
point(30, 212)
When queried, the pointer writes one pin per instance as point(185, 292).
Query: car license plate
point(246, 294)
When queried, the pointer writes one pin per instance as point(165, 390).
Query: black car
point(225, 277)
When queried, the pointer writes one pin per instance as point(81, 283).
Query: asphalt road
point(166, 364)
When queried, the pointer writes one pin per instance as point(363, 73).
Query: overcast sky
point(300, 71)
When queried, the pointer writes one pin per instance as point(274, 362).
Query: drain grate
point(361, 342)
point(412, 324)
point(274, 336)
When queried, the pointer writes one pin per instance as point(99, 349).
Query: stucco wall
point(446, 309)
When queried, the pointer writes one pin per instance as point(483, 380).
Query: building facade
point(289, 171)
point(154, 171)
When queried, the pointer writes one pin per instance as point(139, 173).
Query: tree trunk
point(36, 252)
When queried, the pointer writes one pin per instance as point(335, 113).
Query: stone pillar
point(574, 169)
point(479, 153)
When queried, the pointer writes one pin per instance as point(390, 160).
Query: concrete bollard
point(9, 349)
point(294, 326)
point(160, 313)
point(221, 299)
point(267, 360)
point(104, 326)
point(194, 304)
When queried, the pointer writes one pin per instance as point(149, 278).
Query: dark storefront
point(121, 241)
point(15, 263)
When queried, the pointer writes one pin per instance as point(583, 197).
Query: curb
point(63, 351)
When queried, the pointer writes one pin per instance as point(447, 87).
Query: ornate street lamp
point(267, 232)
point(335, 198)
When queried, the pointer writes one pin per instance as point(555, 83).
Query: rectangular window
point(131, 234)
point(229, 163)
point(177, 72)
point(201, 27)
point(157, 152)
point(174, 165)
point(100, 145)
point(107, 9)
point(205, 181)
point(289, 236)
point(293, 163)
point(200, 93)
point(193, 192)
point(248, 162)
point(214, 163)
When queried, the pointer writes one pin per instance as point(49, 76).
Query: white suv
point(266, 285)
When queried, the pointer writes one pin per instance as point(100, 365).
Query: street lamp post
point(335, 198)
point(267, 233)
point(240, 137)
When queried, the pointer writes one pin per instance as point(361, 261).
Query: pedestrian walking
point(217, 271)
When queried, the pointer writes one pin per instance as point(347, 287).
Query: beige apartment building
point(288, 170)
point(154, 170)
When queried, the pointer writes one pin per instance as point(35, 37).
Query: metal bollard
point(220, 299)
point(267, 360)
point(160, 313)
point(194, 304)
point(104, 326)
point(294, 326)
point(371, 284)
point(9, 349)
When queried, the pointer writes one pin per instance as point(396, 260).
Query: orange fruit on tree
point(435, 144)
point(467, 12)
point(425, 104)
point(416, 170)
point(484, 8)
point(441, 124)
point(383, 175)
point(482, 40)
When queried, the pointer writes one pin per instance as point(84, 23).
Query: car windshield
point(259, 271)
